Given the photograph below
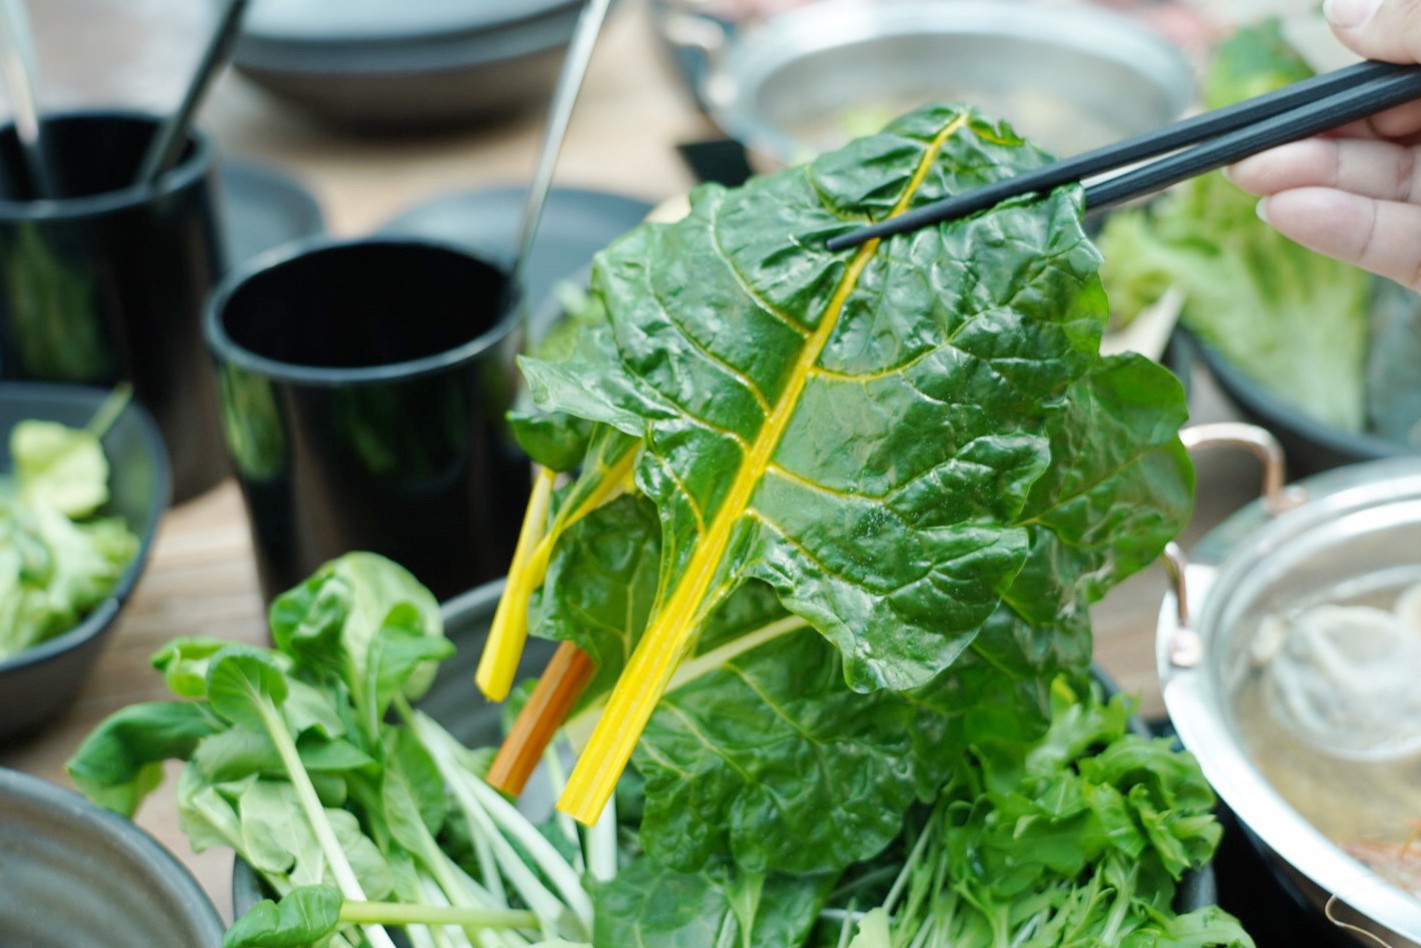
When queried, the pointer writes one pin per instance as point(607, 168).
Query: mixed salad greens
point(1291, 319)
point(818, 534)
point(58, 558)
point(360, 812)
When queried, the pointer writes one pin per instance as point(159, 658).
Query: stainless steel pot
point(779, 86)
point(1343, 528)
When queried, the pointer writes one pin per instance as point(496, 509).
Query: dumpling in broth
point(1347, 679)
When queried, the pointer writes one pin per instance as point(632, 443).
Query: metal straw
point(17, 61)
point(574, 67)
point(167, 144)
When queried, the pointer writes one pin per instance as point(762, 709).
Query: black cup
point(363, 387)
point(106, 280)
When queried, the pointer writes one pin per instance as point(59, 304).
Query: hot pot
point(1352, 528)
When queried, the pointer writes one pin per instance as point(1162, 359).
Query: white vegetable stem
point(488, 813)
point(316, 816)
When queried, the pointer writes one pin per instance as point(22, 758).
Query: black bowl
point(75, 874)
point(1308, 444)
point(38, 683)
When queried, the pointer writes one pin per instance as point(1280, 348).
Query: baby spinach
point(310, 762)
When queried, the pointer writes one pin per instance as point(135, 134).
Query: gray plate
point(264, 208)
point(576, 224)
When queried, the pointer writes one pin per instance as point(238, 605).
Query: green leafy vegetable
point(1075, 839)
point(889, 438)
point(292, 760)
point(656, 907)
point(58, 560)
point(1292, 320)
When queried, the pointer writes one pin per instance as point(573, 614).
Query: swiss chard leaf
point(773, 761)
point(868, 433)
point(652, 906)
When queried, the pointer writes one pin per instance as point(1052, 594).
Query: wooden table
point(633, 110)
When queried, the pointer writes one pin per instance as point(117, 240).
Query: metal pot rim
point(750, 58)
point(1196, 697)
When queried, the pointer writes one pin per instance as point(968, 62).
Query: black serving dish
point(74, 874)
point(38, 683)
point(1309, 445)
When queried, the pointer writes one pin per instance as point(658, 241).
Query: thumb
point(1389, 30)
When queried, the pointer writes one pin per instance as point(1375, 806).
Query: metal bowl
point(74, 874)
point(807, 80)
point(39, 682)
point(376, 66)
point(1351, 528)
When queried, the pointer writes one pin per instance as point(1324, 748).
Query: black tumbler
point(105, 280)
point(363, 387)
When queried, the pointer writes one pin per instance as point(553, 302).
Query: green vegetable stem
point(354, 819)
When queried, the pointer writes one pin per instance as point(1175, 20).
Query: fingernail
point(1349, 13)
point(1261, 209)
point(1228, 172)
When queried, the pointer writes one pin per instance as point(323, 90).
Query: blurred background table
point(633, 111)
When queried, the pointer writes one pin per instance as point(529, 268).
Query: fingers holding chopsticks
point(1354, 194)
point(1369, 168)
point(1355, 199)
point(1389, 30)
point(1377, 235)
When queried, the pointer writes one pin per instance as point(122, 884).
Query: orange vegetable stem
point(568, 672)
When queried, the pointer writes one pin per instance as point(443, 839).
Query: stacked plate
point(376, 64)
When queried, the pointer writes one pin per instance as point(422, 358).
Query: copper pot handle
point(1277, 497)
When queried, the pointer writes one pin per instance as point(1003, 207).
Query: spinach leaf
point(120, 762)
point(303, 917)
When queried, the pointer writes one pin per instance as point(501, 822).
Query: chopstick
point(1228, 134)
point(167, 143)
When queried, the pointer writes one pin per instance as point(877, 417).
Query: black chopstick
point(1328, 113)
point(168, 141)
point(1300, 109)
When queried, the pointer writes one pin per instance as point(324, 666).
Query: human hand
point(1354, 194)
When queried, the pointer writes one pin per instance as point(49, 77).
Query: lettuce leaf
point(1291, 319)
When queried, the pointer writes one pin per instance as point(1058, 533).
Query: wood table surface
point(633, 111)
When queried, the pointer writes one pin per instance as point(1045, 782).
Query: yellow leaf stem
point(671, 631)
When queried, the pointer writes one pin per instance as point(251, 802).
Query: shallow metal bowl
point(1353, 526)
point(73, 874)
point(791, 86)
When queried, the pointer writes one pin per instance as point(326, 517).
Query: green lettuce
point(59, 557)
point(1291, 319)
